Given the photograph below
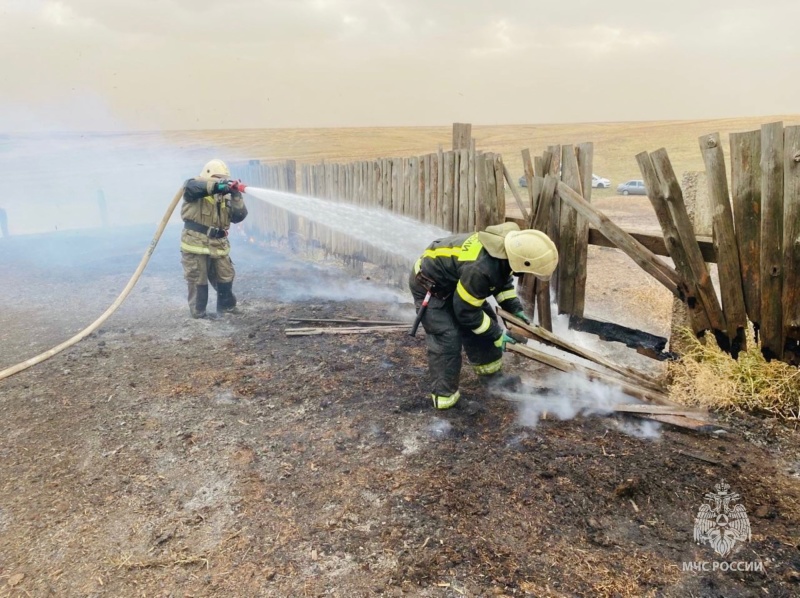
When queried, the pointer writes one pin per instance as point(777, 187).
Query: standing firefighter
point(461, 272)
point(211, 202)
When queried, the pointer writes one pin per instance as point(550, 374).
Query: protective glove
point(504, 340)
point(521, 315)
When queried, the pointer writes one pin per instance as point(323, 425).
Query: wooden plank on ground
point(677, 251)
point(344, 330)
point(772, 172)
point(547, 337)
point(702, 280)
point(687, 423)
point(635, 250)
point(746, 192)
point(568, 366)
point(728, 266)
point(791, 240)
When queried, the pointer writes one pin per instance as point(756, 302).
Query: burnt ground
point(169, 457)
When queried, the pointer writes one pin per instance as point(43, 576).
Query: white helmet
point(216, 168)
point(531, 251)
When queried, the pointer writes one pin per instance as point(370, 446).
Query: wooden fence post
point(772, 159)
point(463, 191)
point(471, 189)
point(791, 244)
point(462, 135)
point(746, 192)
point(447, 198)
point(585, 152)
point(566, 270)
point(730, 276)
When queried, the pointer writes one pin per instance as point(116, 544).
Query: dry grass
point(615, 143)
point(707, 376)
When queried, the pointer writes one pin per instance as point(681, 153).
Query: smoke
point(566, 396)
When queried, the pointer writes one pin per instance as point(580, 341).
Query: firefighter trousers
point(445, 338)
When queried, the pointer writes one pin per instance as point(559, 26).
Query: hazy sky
point(175, 64)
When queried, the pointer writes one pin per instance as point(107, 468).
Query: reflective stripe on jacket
point(461, 266)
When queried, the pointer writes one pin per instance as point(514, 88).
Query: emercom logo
point(721, 523)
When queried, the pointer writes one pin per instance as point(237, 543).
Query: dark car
point(632, 188)
point(523, 182)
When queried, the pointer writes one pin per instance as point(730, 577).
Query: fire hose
point(112, 308)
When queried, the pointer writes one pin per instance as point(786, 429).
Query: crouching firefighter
point(460, 272)
point(211, 202)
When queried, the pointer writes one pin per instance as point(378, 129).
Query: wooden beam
point(746, 192)
point(791, 240)
point(635, 250)
point(642, 342)
point(728, 266)
point(772, 160)
point(500, 187)
point(683, 225)
point(688, 286)
point(568, 366)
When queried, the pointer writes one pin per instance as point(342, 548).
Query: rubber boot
point(198, 300)
point(226, 300)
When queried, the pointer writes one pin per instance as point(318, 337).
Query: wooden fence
point(756, 223)
point(459, 190)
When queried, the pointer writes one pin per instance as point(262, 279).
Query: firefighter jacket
point(470, 268)
point(209, 210)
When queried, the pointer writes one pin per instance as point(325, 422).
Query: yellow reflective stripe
point(489, 368)
point(465, 295)
point(201, 250)
point(195, 249)
point(445, 401)
point(470, 249)
point(418, 266)
point(442, 252)
point(506, 295)
point(485, 325)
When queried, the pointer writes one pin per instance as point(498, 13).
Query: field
point(165, 456)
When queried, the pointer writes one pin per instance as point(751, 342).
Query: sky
point(105, 65)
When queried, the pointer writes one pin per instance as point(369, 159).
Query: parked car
point(632, 188)
point(599, 182)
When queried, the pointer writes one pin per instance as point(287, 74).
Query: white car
point(600, 183)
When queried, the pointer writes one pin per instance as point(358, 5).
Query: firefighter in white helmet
point(211, 202)
point(461, 272)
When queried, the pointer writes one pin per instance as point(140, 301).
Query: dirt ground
point(165, 456)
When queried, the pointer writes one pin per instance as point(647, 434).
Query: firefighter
point(211, 202)
point(461, 272)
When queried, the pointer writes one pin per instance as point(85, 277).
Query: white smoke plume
point(566, 396)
